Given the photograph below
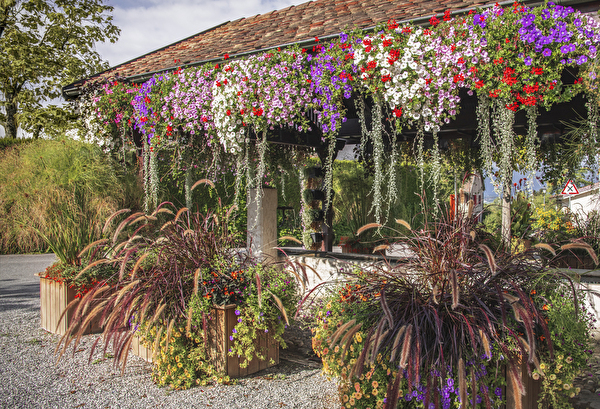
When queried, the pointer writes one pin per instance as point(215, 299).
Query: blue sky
point(148, 25)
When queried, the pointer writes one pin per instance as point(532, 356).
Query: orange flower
point(545, 307)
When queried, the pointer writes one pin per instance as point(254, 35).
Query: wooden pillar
point(262, 222)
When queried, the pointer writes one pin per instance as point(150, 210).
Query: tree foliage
point(45, 45)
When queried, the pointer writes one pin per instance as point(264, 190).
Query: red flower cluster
point(508, 77)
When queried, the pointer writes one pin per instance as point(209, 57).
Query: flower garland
point(515, 55)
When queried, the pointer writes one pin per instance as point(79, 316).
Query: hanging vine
point(530, 147)
point(378, 154)
point(420, 142)
point(262, 148)
point(593, 158)
point(359, 103)
point(392, 193)
point(328, 181)
point(146, 162)
point(436, 171)
point(153, 180)
point(503, 123)
point(188, 186)
point(484, 133)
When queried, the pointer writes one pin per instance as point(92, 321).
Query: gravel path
point(31, 378)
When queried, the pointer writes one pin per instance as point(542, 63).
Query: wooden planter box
point(220, 327)
point(532, 389)
point(54, 298)
point(571, 261)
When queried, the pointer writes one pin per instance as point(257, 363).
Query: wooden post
point(262, 222)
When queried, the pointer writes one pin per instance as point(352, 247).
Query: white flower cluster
point(226, 107)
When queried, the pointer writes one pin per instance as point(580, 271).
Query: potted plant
point(312, 195)
point(313, 172)
point(200, 308)
point(316, 237)
point(61, 285)
point(441, 329)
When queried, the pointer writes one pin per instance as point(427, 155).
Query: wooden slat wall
point(140, 350)
point(53, 301)
point(54, 298)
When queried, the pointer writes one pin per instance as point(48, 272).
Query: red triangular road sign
point(570, 188)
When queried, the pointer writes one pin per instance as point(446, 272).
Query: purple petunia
point(547, 52)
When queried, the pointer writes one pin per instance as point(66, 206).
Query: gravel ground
point(30, 377)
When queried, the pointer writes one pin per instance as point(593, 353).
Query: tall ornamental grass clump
point(441, 328)
point(170, 268)
point(54, 195)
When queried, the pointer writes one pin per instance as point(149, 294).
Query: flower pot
point(313, 172)
point(316, 237)
point(54, 298)
point(316, 215)
point(311, 195)
point(221, 322)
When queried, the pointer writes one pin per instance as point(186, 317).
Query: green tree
point(45, 45)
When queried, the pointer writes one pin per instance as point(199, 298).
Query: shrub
point(54, 194)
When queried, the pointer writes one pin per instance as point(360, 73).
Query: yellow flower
point(577, 390)
point(352, 402)
point(179, 365)
point(358, 337)
point(535, 376)
point(560, 357)
point(345, 398)
point(542, 366)
point(569, 359)
point(337, 349)
point(572, 395)
point(566, 386)
point(552, 377)
point(358, 395)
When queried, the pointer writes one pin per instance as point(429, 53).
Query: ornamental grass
point(452, 325)
point(170, 268)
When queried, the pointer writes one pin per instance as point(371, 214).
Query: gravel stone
point(31, 377)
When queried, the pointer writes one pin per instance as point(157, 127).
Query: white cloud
point(156, 23)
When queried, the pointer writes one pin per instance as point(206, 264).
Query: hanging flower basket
point(311, 195)
point(313, 172)
point(316, 237)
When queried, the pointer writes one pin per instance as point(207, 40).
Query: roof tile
point(288, 25)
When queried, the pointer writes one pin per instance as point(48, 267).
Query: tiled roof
point(290, 25)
